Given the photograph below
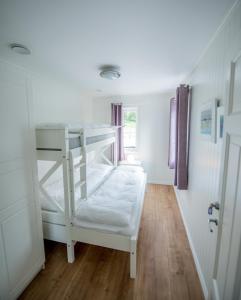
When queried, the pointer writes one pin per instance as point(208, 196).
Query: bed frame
point(62, 145)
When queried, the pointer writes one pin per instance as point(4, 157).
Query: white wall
point(58, 102)
point(153, 130)
point(208, 81)
point(26, 99)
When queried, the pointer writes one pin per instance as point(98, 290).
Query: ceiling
point(156, 43)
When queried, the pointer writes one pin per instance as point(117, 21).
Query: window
point(130, 119)
point(130, 132)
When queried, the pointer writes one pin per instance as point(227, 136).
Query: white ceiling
point(155, 43)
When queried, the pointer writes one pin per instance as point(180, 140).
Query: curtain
point(179, 127)
point(117, 120)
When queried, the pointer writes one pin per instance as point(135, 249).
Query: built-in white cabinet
point(21, 240)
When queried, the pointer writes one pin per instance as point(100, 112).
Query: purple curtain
point(117, 120)
point(178, 150)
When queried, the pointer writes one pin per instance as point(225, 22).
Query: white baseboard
point(163, 182)
point(214, 291)
point(194, 253)
point(14, 294)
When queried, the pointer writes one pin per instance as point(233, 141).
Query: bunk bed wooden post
point(72, 183)
point(115, 148)
point(67, 198)
point(133, 244)
point(83, 171)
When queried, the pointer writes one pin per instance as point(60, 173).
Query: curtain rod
point(186, 85)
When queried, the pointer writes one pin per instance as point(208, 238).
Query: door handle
point(210, 221)
point(213, 205)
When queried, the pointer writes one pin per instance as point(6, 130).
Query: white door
point(21, 242)
point(227, 272)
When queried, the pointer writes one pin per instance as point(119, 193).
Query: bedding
point(55, 190)
point(114, 207)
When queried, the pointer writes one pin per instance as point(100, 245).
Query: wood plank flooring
point(165, 267)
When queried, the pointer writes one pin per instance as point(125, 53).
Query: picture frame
point(208, 119)
point(220, 123)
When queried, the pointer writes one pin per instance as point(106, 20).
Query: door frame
point(214, 294)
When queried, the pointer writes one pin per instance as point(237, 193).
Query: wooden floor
point(165, 267)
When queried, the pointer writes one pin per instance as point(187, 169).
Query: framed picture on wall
point(208, 120)
point(220, 123)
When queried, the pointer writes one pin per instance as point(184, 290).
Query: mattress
point(98, 138)
point(116, 205)
point(96, 173)
point(75, 141)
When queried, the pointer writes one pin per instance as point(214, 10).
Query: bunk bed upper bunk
point(68, 145)
point(58, 138)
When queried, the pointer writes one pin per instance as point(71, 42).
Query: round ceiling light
point(110, 73)
point(20, 49)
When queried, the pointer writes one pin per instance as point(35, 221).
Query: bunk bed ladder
point(67, 198)
point(81, 167)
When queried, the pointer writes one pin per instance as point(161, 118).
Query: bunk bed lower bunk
point(107, 214)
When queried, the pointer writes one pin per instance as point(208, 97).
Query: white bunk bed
point(104, 209)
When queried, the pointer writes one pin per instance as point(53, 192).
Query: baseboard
point(194, 254)
point(27, 279)
point(214, 291)
point(163, 182)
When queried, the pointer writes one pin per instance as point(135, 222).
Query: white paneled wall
point(21, 241)
point(152, 130)
point(26, 99)
point(209, 81)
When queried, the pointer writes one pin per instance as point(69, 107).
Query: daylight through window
point(130, 122)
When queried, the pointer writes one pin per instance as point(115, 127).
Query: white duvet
point(95, 174)
point(114, 203)
point(113, 207)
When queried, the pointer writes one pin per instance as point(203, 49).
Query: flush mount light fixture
point(110, 73)
point(19, 48)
